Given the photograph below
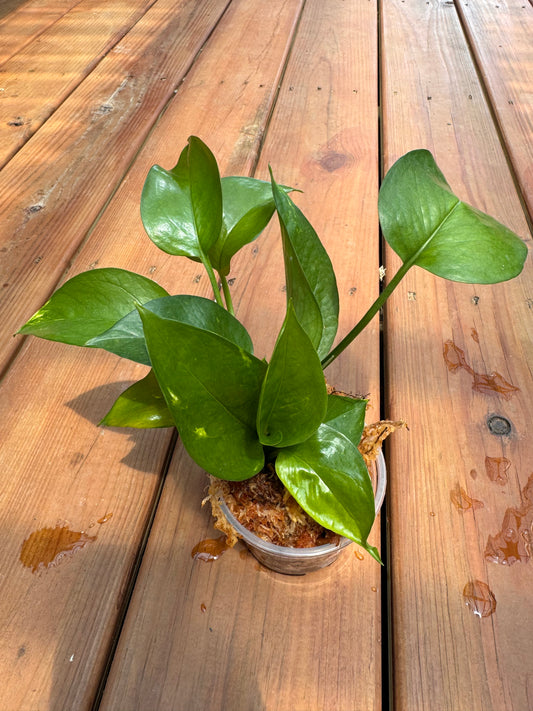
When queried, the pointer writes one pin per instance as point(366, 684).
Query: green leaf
point(89, 304)
point(248, 205)
point(294, 396)
point(206, 193)
point(347, 416)
point(211, 387)
point(311, 282)
point(142, 405)
point(181, 209)
point(328, 477)
point(126, 337)
point(427, 225)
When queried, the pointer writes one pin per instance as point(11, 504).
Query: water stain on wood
point(512, 544)
point(209, 550)
point(496, 468)
point(479, 598)
point(48, 547)
point(488, 384)
point(462, 501)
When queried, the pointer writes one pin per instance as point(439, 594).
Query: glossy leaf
point(248, 205)
point(142, 405)
point(89, 304)
point(347, 416)
point(309, 275)
point(427, 225)
point(211, 387)
point(181, 209)
point(328, 477)
point(126, 337)
point(294, 396)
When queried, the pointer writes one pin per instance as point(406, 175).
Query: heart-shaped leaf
point(142, 405)
point(248, 205)
point(427, 225)
point(328, 477)
point(347, 416)
point(294, 396)
point(126, 337)
point(89, 304)
point(309, 275)
point(181, 209)
point(211, 387)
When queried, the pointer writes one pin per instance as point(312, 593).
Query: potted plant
point(251, 423)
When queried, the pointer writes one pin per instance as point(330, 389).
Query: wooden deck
point(330, 93)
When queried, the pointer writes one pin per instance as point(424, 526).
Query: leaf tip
point(374, 553)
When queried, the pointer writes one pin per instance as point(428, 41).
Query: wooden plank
point(60, 475)
point(233, 635)
point(443, 655)
point(58, 625)
point(20, 25)
point(10, 6)
point(54, 188)
point(500, 35)
point(38, 78)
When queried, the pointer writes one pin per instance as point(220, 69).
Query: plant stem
point(227, 295)
point(372, 311)
point(213, 280)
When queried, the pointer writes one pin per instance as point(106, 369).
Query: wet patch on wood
point(488, 384)
point(512, 544)
point(48, 547)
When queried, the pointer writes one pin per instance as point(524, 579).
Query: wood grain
point(53, 190)
point(293, 84)
point(500, 37)
point(20, 25)
point(71, 472)
point(59, 469)
point(443, 655)
point(233, 635)
point(39, 77)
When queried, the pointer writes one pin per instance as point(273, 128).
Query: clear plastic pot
point(299, 561)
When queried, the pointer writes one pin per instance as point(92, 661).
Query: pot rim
point(316, 551)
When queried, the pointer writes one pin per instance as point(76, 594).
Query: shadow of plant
point(93, 404)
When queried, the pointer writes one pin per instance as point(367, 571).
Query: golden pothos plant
point(234, 411)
